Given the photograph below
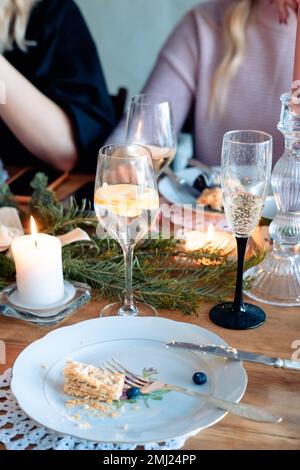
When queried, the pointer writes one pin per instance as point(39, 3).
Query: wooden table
point(275, 389)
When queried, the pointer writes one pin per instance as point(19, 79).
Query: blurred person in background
point(225, 66)
point(57, 109)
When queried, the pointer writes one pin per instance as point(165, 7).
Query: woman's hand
point(284, 7)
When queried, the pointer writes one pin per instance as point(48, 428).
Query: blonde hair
point(236, 19)
point(14, 17)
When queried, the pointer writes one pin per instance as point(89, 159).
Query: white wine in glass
point(161, 157)
point(246, 174)
point(126, 205)
point(124, 210)
point(150, 123)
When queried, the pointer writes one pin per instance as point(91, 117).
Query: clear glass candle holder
point(276, 280)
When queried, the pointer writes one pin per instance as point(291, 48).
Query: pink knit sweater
point(187, 62)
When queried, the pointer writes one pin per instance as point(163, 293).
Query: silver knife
point(180, 183)
point(236, 355)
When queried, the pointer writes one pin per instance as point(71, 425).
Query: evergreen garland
point(164, 275)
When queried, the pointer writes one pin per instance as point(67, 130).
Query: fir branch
point(53, 217)
point(164, 275)
point(160, 278)
point(7, 271)
point(6, 197)
point(56, 219)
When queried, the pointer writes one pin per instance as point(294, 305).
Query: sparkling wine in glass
point(126, 205)
point(246, 173)
point(150, 122)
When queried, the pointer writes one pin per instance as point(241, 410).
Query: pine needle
point(7, 271)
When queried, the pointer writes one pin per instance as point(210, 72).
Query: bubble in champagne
point(243, 211)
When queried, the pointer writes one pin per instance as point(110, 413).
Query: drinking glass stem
point(238, 303)
point(128, 259)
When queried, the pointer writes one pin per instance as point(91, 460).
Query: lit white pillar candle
point(212, 239)
point(38, 261)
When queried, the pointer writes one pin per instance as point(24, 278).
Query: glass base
point(116, 309)
point(225, 316)
point(276, 281)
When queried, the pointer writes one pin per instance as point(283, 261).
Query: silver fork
point(245, 411)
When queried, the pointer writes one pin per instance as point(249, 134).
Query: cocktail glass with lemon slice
point(126, 205)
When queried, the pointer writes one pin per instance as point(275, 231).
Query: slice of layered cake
point(90, 382)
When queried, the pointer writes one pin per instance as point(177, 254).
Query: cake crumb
point(92, 406)
point(73, 403)
point(84, 425)
point(136, 408)
point(76, 417)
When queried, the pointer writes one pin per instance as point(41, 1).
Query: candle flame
point(195, 240)
point(33, 229)
point(33, 226)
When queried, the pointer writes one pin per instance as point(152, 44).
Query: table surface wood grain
point(276, 389)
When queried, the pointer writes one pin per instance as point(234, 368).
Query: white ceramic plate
point(172, 194)
point(137, 343)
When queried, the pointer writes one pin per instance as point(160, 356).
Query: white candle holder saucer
point(75, 296)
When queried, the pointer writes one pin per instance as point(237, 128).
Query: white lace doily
point(19, 432)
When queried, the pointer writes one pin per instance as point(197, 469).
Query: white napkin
point(10, 227)
point(75, 235)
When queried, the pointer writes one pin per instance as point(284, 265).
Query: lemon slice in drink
point(127, 200)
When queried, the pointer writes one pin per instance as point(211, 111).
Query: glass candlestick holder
point(276, 280)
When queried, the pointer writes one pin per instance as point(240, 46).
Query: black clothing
point(64, 66)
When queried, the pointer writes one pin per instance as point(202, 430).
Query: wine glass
point(246, 174)
point(126, 204)
point(150, 122)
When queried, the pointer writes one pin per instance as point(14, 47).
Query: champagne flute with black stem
point(246, 174)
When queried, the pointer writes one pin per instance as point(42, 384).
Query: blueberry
point(133, 392)
point(200, 378)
